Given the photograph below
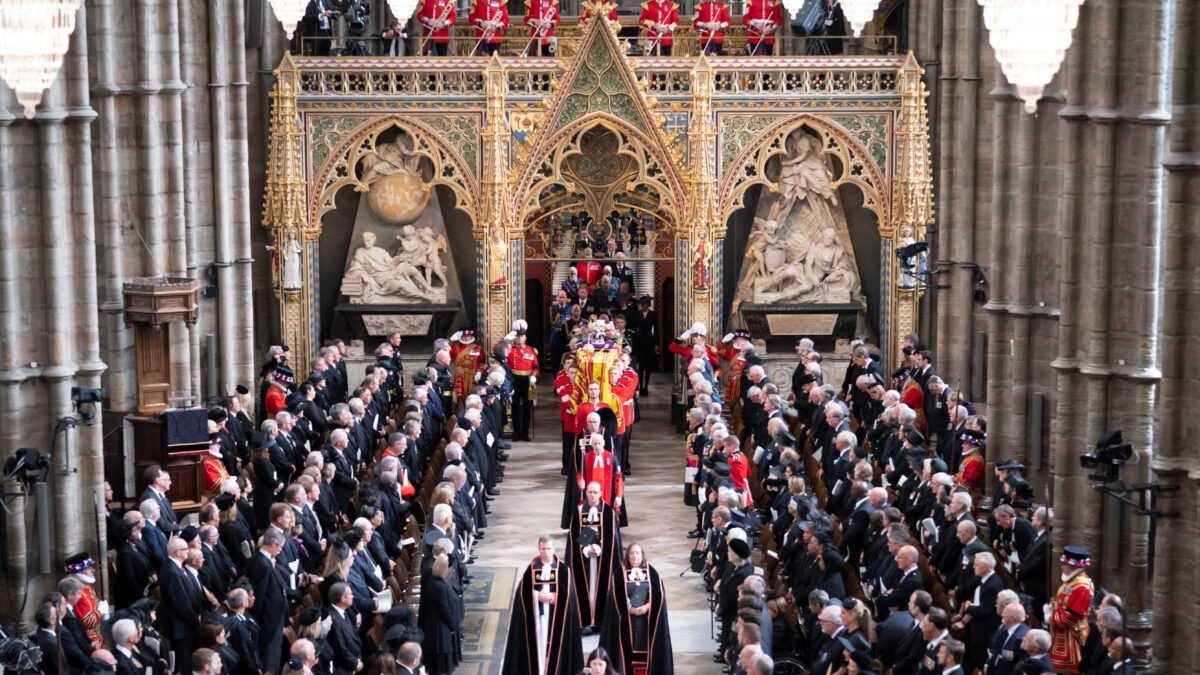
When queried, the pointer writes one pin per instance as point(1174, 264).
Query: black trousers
point(522, 408)
point(760, 49)
point(568, 452)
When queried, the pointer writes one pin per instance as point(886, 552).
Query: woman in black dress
point(440, 618)
point(636, 632)
point(645, 343)
point(266, 479)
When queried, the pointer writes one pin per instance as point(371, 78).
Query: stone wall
point(1083, 219)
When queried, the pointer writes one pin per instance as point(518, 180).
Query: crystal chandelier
point(858, 13)
point(1030, 38)
point(34, 37)
point(289, 13)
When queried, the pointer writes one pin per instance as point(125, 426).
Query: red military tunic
point(625, 389)
point(523, 361)
point(433, 11)
point(275, 401)
point(214, 474)
point(539, 10)
point(737, 364)
point(586, 408)
point(486, 11)
point(1068, 622)
point(88, 611)
point(612, 13)
point(739, 472)
point(970, 474)
point(589, 271)
point(758, 12)
point(685, 350)
point(712, 12)
point(563, 386)
point(663, 12)
point(604, 470)
point(467, 363)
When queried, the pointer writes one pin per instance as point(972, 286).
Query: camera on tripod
point(355, 12)
point(1109, 453)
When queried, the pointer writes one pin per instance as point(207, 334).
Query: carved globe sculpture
point(398, 199)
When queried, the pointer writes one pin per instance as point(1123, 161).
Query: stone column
point(1176, 575)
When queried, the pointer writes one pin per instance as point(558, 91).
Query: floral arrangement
point(596, 334)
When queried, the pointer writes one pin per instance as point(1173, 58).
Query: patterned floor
point(530, 505)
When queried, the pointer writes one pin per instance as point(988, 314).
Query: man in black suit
point(935, 630)
point(977, 608)
point(313, 545)
point(343, 631)
point(910, 580)
point(910, 646)
point(182, 604)
point(854, 536)
point(271, 608)
point(243, 633)
point(967, 533)
point(950, 657)
point(408, 659)
point(134, 568)
point(158, 482)
point(1036, 644)
point(53, 658)
point(344, 482)
point(831, 654)
point(125, 639)
point(1004, 649)
point(1031, 571)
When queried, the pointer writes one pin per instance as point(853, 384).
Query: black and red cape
point(564, 654)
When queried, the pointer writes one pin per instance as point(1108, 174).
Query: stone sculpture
point(375, 276)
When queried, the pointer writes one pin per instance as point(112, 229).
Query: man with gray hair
point(1037, 645)
point(977, 608)
point(336, 455)
point(125, 639)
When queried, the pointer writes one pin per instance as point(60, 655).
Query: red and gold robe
point(1068, 622)
point(214, 474)
point(970, 475)
point(88, 611)
point(662, 12)
point(468, 361)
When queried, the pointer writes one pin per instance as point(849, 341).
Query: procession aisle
point(530, 504)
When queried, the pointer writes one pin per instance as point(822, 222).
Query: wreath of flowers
point(596, 334)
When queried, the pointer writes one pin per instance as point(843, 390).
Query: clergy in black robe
point(635, 630)
point(544, 637)
point(593, 552)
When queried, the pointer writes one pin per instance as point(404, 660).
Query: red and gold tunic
point(763, 17)
point(275, 401)
point(970, 475)
point(486, 11)
point(523, 361)
point(88, 611)
point(468, 361)
point(603, 469)
point(1068, 622)
point(432, 11)
point(739, 472)
point(711, 12)
point(737, 364)
point(662, 12)
point(625, 389)
point(586, 408)
point(539, 10)
point(563, 386)
point(214, 474)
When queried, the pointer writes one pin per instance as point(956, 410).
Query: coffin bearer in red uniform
point(596, 8)
point(542, 17)
point(625, 387)
point(564, 385)
point(490, 18)
point(87, 607)
point(762, 19)
point(523, 361)
point(469, 362)
point(659, 18)
point(436, 17)
point(712, 18)
point(1066, 615)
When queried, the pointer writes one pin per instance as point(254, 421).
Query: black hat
point(721, 470)
point(785, 438)
point(284, 348)
point(353, 536)
point(1014, 465)
point(261, 441)
point(937, 465)
point(860, 657)
point(974, 437)
point(241, 389)
point(645, 300)
point(915, 438)
point(218, 414)
point(189, 533)
point(122, 530)
point(740, 547)
point(1076, 556)
point(316, 377)
point(225, 502)
point(1021, 504)
point(309, 615)
point(807, 378)
point(859, 452)
point(79, 562)
point(741, 334)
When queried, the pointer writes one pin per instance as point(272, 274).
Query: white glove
point(533, 379)
point(477, 374)
point(1047, 611)
point(512, 335)
point(566, 398)
point(683, 337)
point(617, 502)
point(456, 337)
point(727, 338)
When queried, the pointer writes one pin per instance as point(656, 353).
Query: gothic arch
point(338, 171)
point(857, 167)
point(656, 168)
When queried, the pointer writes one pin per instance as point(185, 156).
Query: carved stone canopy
point(161, 300)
